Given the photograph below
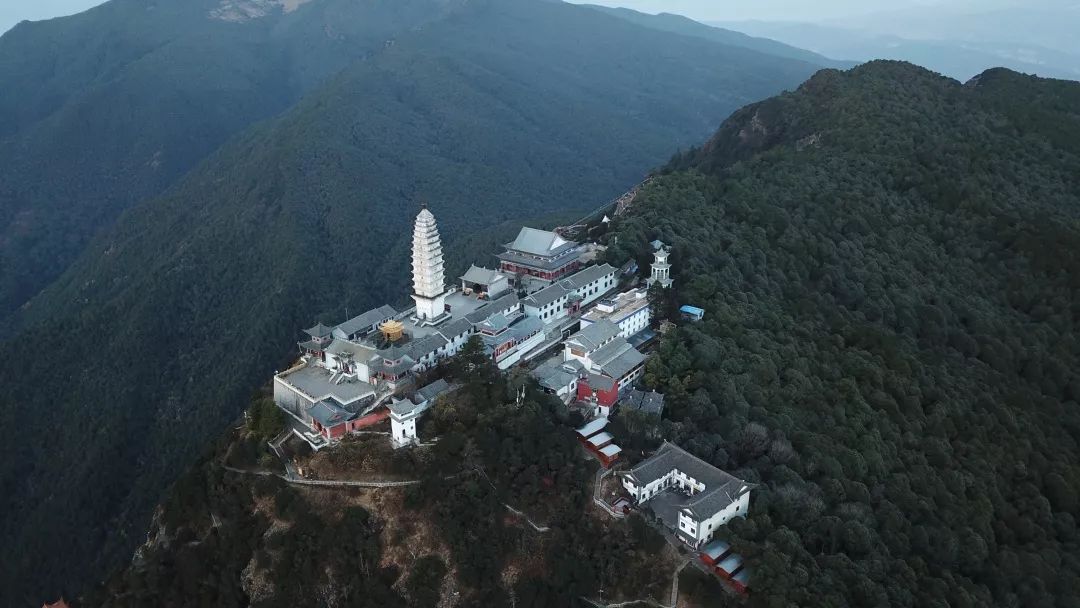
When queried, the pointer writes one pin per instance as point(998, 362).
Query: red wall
point(604, 398)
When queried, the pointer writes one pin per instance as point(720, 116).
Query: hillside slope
point(677, 24)
point(101, 110)
point(500, 110)
point(889, 264)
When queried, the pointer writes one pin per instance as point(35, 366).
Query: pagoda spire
point(429, 278)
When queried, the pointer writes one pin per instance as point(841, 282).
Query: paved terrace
point(666, 505)
point(460, 305)
point(619, 307)
point(317, 384)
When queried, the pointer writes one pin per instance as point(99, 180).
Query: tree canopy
point(888, 263)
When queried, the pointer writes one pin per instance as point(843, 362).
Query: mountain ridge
point(187, 303)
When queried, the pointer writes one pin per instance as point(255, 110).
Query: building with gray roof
point(646, 402)
point(541, 254)
point(592, 337)
point(558, 377)
point(693, 497)
point(298, 389)
point(361, 325)
point(618, 360)
point(319, 331)
point(484, 280)
point(432, 391)
point(537, 242)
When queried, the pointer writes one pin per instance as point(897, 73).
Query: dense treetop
point(888, 260)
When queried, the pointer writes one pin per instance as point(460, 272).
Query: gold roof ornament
point(392, 330)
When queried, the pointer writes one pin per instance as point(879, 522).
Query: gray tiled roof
point(365, 321)
point(402, 407)
point(571, 283)
point(600, 383)
point(319, 331)
point(721, 488)
point(455, 328)
point(359, 352)
point(594, 335)
point(624, 363)
point(714, 499)
point(649, 402)
point(414, 349)
point(480, 314)
point(554, 374)
point(480, 275)
point(588, 275)
point(433, 390)
point(328, 414)
point(542, 264)
point(496, 323)
point(524, 328)
point(540, 242)
point(547, 295)
point(312, 345)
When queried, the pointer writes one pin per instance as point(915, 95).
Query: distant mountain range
point(959, 43)
point(185, 183)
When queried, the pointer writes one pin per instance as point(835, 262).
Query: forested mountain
point(223, 538)
point(889, 264)
point(103, 109)
point(148, 344)
point(678, 24)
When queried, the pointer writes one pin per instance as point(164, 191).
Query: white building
point(559, 378)
point(629, 310)
point(429, 279)
point(570, 295)
point(602, 351)
point(490, 283)
point(697, 498)
point(403, 416)
point(661, 268)
point(405, 413)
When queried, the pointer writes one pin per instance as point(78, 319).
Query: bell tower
point(661, 268)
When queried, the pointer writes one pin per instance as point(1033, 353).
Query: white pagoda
point(429, 280)
point(661, 268)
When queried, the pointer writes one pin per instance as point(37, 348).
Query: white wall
point(403, 432)
point(519, 350)
point(288, 399)
point(631, 379)
point(634, 323)
point(705, 529)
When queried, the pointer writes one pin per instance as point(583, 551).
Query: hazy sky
point(13, 11)
point(787, 10)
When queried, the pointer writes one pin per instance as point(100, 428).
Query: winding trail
point(333, 483)
point(673, 599)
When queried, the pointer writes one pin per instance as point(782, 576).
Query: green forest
point(889, 264)
point(227, 539)
point(887, 260)
point(144, 349)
